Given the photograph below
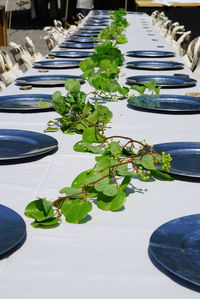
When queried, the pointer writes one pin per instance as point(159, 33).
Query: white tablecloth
point(107, 256)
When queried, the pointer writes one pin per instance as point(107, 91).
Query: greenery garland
point(119, 159)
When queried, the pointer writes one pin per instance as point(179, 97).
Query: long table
point(107, 256)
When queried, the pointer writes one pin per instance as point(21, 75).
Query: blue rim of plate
point(57, 64)
point(150, 53)
point(47, 80)
point(155, 65)
point(166, 103)
point(80, 40)
point(163, 81)
point(185, 158)
point(71, 54)
point(12, 230)
point(25, 103)
point(85, 34)
point(72, 45)
point(20, 144)
point(175, 247)
point(91, 30)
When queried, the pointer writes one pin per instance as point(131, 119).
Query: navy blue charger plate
point(94, 24)
point(89, 30)
point(155, 65)
point(57, 64)
point(71, 54)
point(185, 157)
point(85, 34)
point(163, 81)
point(77, 45)
point(19, 144)
point(25, 103)
point(166, 103)
point(175, 247)
point(150, 53)
point(12, 230)
point(79, 40)
point(47, 80)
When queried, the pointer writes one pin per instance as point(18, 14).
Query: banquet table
point(107, 256)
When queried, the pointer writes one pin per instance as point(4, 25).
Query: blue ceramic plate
point(175, 246)
point(25, 103)
point(89, 30)
point(18, 144)
point(57, 64)
point(12, 230)
point(155, 65)
point(79, 40)
point(46, 80)
point(92, 24)
point(185, 157)
point(71, 54)
point(163, 81)
point(169, 103)
point(149, 53)
point(77, 45)
point(85, 34)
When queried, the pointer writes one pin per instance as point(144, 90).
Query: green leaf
point(115, 148)
point(114, 86)
point(140, 89)
point(99, 186)
point(118, 201)
point(75, 210)
point(110, 190)
point(69, 191)
point(162, 176)
point(124, 184)
point(148, 162)
point(90, 135)
point(86, 65)
point(109, 203)
point(122, 170)
point(72, 85)
point(85, 178)
point(39, 209)
point(50, 223)
point(124, 91)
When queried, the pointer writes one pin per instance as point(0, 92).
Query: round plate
point(155, 65)
point(12, 230)
point(25, 103)
point(80, 40)
point(185, 157)
point(77, 45)
point(57, 64)
point(89, 30)
point(18, 144)
point(149, 53)
point(91, 24)
point(85, 34)
point(47, 80)
point(163, 81)
point(175, 247)
point(166, 103)
point(71, 54)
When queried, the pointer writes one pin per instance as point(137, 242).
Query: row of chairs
point(16, 61)
point(57, 33)
point(180, 39)
point(20, 58)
